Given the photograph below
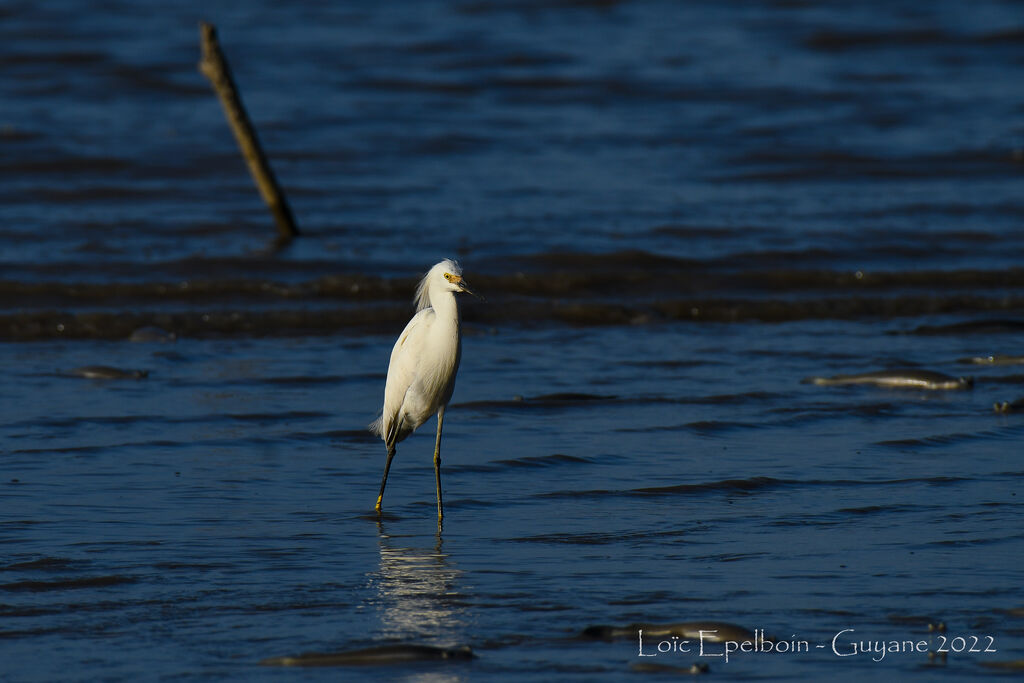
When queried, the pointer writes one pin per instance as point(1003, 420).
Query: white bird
point(424, 361)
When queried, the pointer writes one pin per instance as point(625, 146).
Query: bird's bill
point(463, 287)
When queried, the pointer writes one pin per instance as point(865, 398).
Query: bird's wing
point(402, 371)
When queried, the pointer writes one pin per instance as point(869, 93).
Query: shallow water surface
point(676, 215)
point(218, 511)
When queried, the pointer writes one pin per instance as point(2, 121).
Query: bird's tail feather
point(377, 426)
point(390, 436)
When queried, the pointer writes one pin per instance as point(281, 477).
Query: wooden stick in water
point(215, 67)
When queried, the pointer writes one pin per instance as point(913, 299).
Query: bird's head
point(448, 275)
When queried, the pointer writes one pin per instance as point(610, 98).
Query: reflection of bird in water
point(421, 614)
point(421, 376)
point(418, 595)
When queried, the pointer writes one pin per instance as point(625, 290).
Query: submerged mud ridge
point(574, 275)
point(383, 655)
point(911, 378)
point(66, 324)
point(615, 289)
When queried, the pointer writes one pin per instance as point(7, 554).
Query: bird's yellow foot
point(377, 506)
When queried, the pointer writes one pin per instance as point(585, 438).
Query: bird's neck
point(445, 307)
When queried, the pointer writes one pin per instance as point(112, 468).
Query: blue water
point(676, 214)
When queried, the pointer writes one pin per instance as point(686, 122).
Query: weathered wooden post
point(215, 67)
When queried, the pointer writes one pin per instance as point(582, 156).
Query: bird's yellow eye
point(447, 276)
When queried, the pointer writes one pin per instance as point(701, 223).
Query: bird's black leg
point(384, 481)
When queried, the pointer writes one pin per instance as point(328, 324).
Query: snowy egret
point(424, 361)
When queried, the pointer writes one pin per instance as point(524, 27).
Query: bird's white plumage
point(425, 358)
